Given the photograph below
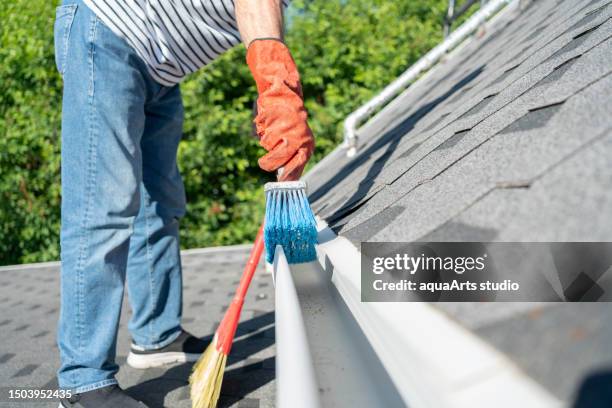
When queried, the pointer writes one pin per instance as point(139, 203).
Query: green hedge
point(346, 51)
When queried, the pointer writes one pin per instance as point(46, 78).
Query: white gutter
point(432, 360)
point(323, 358)
point(333, 350)
point(355, 119)
point(296, 382)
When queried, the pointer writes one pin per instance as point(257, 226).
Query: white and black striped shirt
point(173, 37)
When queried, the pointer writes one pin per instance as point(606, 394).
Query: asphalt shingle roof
point(508, 139)
point(501, 114)
point(29, 307)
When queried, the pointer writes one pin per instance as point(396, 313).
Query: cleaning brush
point(207, 375)
point(289, 222)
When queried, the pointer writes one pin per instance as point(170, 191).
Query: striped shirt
point(173, 37)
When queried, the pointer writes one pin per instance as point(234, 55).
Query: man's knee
point(167, 197)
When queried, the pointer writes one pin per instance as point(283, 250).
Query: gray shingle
point(376, 179)
point(560, 198)
point(29, 356)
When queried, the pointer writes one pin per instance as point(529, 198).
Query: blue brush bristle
point(291, 224)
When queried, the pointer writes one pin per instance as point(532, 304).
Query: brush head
point(285, 185)
point(207, 377)
point(289, 222)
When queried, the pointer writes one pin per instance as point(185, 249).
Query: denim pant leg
point(154, 266)
point(103, 119)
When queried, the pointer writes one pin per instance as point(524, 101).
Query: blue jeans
point(122, 197)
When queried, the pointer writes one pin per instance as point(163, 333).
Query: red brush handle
point(249, 269)
point(227, 328)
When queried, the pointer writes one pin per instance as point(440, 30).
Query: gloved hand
point(281, 117)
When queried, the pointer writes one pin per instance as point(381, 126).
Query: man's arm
point(281, 121)
point(259, 19)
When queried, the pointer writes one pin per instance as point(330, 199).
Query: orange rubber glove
point(281, 120)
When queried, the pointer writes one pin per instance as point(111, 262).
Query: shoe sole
point(142, 361)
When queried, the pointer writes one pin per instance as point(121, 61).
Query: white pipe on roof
point(296, 382)
point(352, 121)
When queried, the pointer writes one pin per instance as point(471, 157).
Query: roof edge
point(193, 251)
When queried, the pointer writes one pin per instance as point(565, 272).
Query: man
point(122, 195)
